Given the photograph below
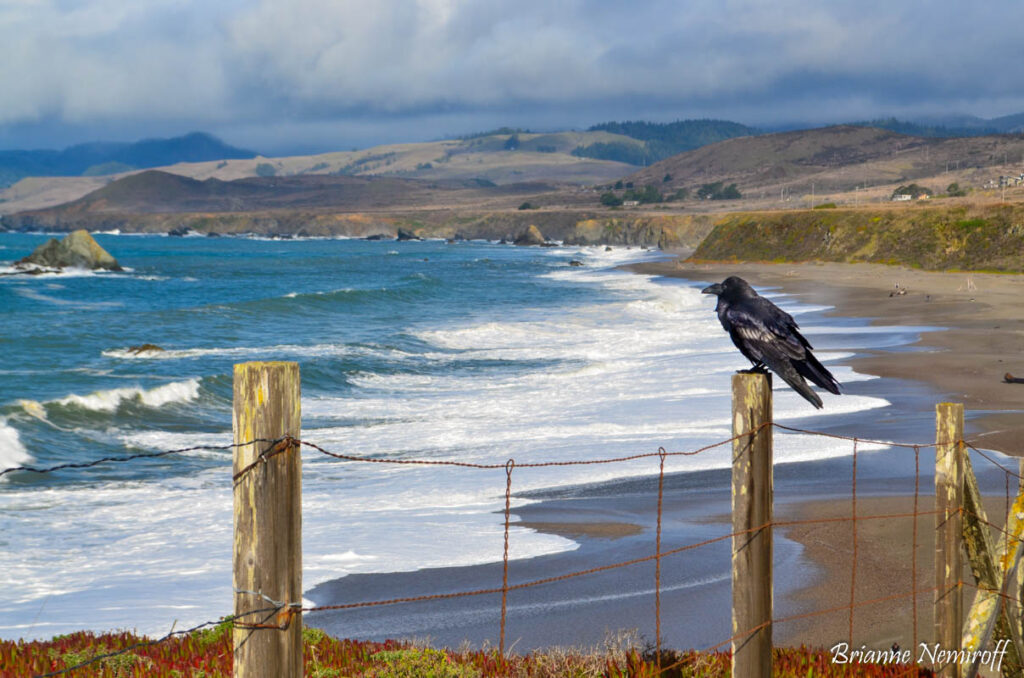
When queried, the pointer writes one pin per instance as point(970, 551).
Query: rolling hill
point(836, 159)
point(103, 158)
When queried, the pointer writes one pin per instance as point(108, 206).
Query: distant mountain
point(109, 157)
point(660, 140)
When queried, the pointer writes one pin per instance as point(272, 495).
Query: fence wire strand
point(157, 641)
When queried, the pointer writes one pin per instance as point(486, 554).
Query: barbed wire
point(131, 457)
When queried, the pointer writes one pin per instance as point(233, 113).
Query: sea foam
point(12, 452)
point(110, 400)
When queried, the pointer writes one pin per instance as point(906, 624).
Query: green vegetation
point(663, 140)
point(936, 238)
point(369, 161)
point(718, 191)
point(609, 199)
point(648, 194)
point(512, 143)
point(617, 151)
point(971, 224)
point(500, 132)
point(825, 206)
point(954, 190)
point(105, 168)
point(913, 190)
point(527, 206)
point(208, 654)
point(265, 169)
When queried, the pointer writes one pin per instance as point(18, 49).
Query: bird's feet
point(756, 369)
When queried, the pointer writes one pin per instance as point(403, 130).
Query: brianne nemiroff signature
point(929, 654)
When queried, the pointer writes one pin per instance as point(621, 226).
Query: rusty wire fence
point(274, 614)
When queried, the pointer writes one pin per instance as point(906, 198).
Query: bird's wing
point(773, 340)
point(767, 336)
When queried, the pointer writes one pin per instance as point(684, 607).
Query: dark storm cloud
point(329, 67)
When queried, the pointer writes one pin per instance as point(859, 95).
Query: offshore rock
point(531, 236)
point(144, 348)
point(77, 249)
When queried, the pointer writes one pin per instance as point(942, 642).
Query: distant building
point(899, 197)
point(630, 203)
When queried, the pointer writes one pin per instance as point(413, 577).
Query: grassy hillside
point(154, 191)
point(836, 159)
point(988, 237)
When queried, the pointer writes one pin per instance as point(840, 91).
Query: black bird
point(769, 338)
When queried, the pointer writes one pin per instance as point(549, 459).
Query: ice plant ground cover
point(208, 654)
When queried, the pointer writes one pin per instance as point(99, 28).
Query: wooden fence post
point(268, 521)
point(949, 487)
point(751, 522)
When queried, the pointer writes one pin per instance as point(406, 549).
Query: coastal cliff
point(965, 237)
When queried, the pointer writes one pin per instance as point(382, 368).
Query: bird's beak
point(715, 289)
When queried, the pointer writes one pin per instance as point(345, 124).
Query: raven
point(769, 337)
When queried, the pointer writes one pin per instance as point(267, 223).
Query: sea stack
point(531, 236)
point(77, 249)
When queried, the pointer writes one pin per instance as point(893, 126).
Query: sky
point(295, 76)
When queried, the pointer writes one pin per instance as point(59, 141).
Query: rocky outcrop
point(144, 348)
point(78, 249)
point(531, 236)
point(405, 234)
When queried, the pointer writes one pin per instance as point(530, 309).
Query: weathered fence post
point(949, 487)
point(268, 521)
point(751, 522)
point(1017, 590)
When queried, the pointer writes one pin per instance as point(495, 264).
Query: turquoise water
point(415, 350)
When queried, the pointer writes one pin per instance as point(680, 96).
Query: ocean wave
point(30, 293)
point(12, 452)
point(54, 273)
point(110, 400)
point(310, 351)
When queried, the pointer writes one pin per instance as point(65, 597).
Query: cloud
point(308, 62)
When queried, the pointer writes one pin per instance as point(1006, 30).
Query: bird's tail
point(791, 375)
point(813, 370)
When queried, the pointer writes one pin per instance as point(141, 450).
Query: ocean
point(471, 351)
